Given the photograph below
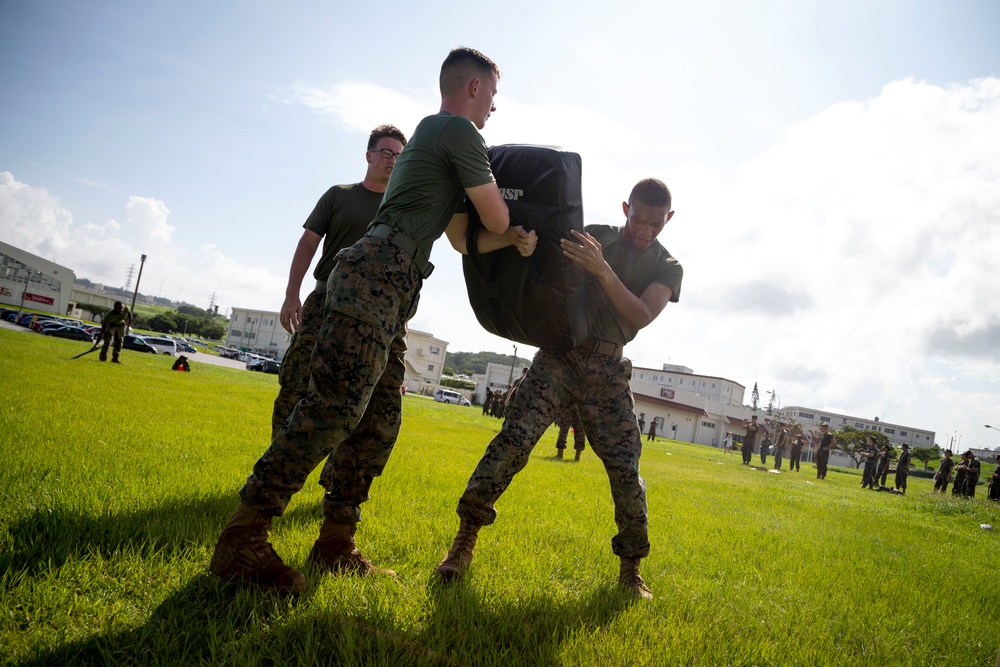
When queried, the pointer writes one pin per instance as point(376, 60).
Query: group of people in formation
point(967, 475)
point(784, 441)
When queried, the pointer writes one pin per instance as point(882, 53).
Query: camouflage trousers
point(115, 335)
point(599, 385)
point(293, 382)
point(571, 420)
point(351, 408)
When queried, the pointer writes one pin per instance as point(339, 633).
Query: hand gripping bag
point(540, 300)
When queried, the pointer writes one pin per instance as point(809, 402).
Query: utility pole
point(142, 263)
point(513, 361)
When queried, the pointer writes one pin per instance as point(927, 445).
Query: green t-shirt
point(637, 269)
point(445, 155)
point(113, 319)
point(341, 217)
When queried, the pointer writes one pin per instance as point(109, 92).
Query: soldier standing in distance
point(113, 330)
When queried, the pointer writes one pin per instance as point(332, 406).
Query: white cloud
point(33, 220)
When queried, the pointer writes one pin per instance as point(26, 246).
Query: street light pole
point(135, 293)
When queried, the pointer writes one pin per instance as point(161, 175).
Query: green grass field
point(116, 481)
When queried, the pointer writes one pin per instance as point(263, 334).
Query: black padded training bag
point(540, 300)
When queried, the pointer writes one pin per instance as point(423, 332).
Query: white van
point(448, 396)
point(162, 345)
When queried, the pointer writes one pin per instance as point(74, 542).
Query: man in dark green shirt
point(630, 279)
point(371, 293)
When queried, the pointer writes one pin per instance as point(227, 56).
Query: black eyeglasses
point(386, 153)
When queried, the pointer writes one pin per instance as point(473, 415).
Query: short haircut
point(650, 192)
point(385, 130)
point(119, 303)
point(461, 65)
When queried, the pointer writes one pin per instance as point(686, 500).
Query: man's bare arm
point(291, 309)
point(491, 207)
point(488, 241)
point(637, 311)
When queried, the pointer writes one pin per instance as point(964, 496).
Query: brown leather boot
point(335, 551)
point(244, 555)
point(458, 558)
point(630, 579)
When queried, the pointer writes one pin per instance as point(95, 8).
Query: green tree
point(926, 454)
point(852, 442)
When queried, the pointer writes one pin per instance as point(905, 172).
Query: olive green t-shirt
point(113, 319)
point(341, 217)
point(637, 269)
point(445, 155)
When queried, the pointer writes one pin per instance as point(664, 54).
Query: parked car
point(448, 396)
point(185, 347)
point(265, 366)
point(162, 345)
point(137, 344)
point(73, 333)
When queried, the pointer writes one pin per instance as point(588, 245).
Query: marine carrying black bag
point(540, 300)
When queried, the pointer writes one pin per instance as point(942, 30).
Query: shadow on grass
point(209, 622)
point(48, 538)
point(198, 624)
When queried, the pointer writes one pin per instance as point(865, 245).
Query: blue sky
point(834, 165)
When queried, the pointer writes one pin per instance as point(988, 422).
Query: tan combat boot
point(335, 551)
point(630, 579)
point(458, 558)
point(244, 555)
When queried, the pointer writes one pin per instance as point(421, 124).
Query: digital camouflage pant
point(599, 385)
point(114, 336)
point(293, 381)
point(570, 419)
point(351, 409)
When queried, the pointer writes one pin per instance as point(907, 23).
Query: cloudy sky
point(835, 166)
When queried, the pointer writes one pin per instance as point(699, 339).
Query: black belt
point(420, 257)
point(595, 346)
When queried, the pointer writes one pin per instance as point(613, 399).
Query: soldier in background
point(113, 331)
point(903, 468)
point(943, 474)
point(570, 419)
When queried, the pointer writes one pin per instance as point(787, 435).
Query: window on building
point(713, 385)
point(708, 425)
point(682, 381)
point(430, 367)
point(859, 425)
point(823, 418)
point(434, 350)
point(902, 434)
point(890, 431)
point(807, 415)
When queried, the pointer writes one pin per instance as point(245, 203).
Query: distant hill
point(474, 363)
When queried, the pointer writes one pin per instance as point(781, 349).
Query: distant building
point(687, 406)
point(423, 361)
point(497, 376)
point(34, 281)
point(898, 434)
point(257, 331)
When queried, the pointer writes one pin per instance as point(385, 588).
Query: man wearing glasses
point(341, 217)
point(371, 293)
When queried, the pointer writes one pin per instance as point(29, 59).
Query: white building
point(497, 376)
point(35, 282)
point(898, 434)
point(257, 331)
point(423, 361)
point(689, 407)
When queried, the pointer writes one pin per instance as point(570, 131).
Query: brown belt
point(595, 346)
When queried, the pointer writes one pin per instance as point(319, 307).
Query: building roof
point(662, 402)
point(699, 375)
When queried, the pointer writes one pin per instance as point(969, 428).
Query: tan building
point(423, 361)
